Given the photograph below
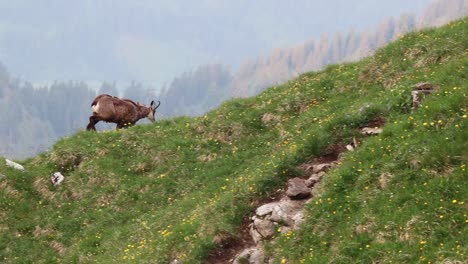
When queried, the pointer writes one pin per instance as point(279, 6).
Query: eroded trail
point(283, 211)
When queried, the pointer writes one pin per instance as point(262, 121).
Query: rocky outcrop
point(286, 213)
point(282, 216)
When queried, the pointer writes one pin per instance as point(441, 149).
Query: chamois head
point(152, 111)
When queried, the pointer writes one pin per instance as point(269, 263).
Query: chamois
point(123, 112)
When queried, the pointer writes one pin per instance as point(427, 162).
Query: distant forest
point(33, 118)
point(255, 75)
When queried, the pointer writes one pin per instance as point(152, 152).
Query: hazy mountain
point(257, 73)
point(254, 76)
point(153, 41)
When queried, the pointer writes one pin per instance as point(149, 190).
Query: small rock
point(384, 179)
point(321, 167)
point(314, 178)
point(316, 190)
point(285, 229)
point(265, 227)
point(57, 178)
point(298, 219)
point(316, 168)
point(265, 209)
point(284, 212)
point(297, 189)
point(244, 256)
point(355, 142)
point(251, 256)
point(424, 86)
point(420, 90)
point(255, 235)
point(14, 165)
point(364, 108)
point(257, 256)
point(418, 96)
point(371, 131)
point(349, 148)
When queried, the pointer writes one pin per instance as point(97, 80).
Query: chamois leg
point(93, 120)
point(123, 125)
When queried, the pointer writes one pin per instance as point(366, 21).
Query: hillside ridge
point(178, 189)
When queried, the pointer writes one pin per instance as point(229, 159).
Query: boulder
point(297, 189)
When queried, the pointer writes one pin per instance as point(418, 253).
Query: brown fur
point(123, 112)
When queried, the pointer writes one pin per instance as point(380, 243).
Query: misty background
point(56, 56)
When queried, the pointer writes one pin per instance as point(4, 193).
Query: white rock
point(265, 209)
point(14, 165)
point(349, 147)
point(371, 131)
point(57, 178)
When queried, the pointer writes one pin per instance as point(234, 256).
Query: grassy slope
point(156, 192)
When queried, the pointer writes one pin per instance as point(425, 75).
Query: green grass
point(152, 193)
